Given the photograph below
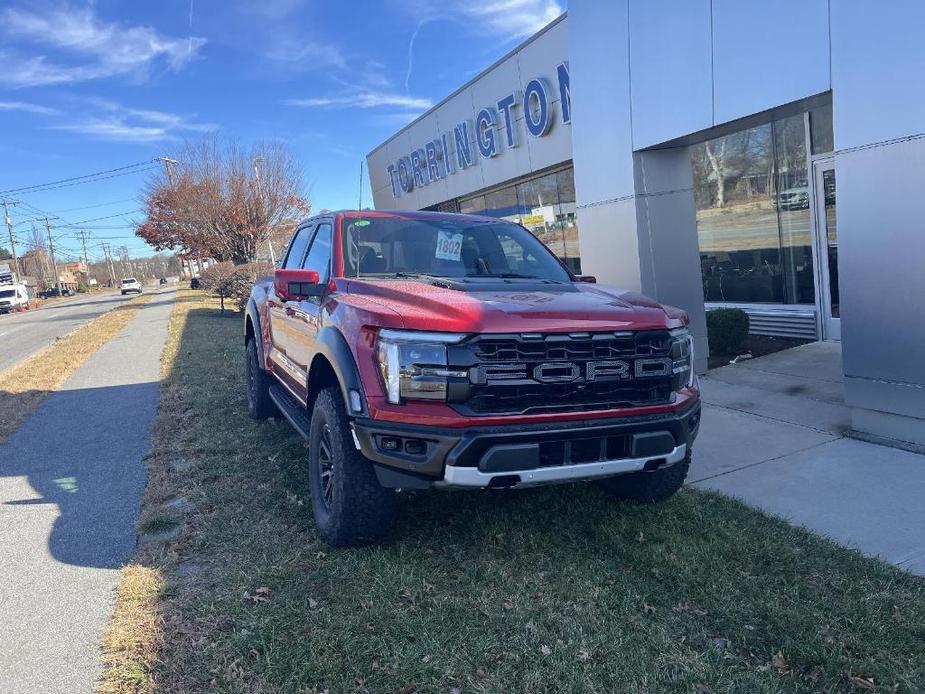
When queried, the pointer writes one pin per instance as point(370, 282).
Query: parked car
point(50, 293)
point(162, 280)
point(195, 283)
point(417, 350)
point(13, 297)
point(130, 284)
point(793, 198)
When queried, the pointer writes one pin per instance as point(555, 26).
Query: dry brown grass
point(130, 647)
point(135, 638)
point(548, 590)
point(24, 386)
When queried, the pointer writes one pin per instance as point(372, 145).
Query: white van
point(13, 297)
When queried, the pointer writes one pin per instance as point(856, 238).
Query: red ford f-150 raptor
point(423, 349)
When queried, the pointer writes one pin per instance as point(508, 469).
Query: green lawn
point(559, 589)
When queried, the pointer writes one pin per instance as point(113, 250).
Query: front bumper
point(410, 456)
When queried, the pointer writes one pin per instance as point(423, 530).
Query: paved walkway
point(773, 434)
point(70, 483)
point(24, 334)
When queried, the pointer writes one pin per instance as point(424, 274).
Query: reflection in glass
point(791, 184)
point(473, 205)
point(831, 238)
point(753, 223)
point(544, 205)
point(820, 129)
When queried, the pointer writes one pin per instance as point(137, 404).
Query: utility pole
point(83, 239)
point(51, 250)
point(168, 162)
point(40, 252)
point(9, 226)
point(360, 206)
point(112, 270)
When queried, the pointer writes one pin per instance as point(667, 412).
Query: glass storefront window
point(473, 205)
point(752, 196)
point(545, 205)
point(791, 189)
point(820, 129)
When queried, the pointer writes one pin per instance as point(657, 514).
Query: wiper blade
point(415, 274)
point(515, 275)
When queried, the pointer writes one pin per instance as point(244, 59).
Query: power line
point(102, 204)
point(33, 188)
point(43, 213)
point(97, 219)
point(93, 180)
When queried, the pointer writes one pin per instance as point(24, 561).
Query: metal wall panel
point(602, 141)
point(766, 54)
point(667, 238)
point(672, 79)
point(877, 69)
point(609, 243)
point(881, 247)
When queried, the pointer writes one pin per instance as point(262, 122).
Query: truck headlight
point(413, 364)
point(682, 358)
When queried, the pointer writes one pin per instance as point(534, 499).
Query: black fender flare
point(332, 345)
point(252, 315)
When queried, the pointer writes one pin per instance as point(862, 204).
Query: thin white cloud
point(94, 49)
point(516, 18)
point(365, 99)
point(298, 54)
point(511, 19)
point(27, 108)
point(111, 121)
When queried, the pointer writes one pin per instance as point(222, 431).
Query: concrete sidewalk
point(773, 435)
point(70, 483)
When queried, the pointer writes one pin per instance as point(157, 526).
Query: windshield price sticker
point(449, 246)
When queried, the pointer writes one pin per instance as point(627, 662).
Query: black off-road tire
point(259, 403)
point(357, 510)
point(649, 487)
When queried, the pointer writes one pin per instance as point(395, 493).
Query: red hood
point(561, 308)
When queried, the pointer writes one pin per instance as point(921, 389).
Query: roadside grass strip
point(559, 589)
point(24, 386)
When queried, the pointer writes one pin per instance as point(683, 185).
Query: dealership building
point(697, 151)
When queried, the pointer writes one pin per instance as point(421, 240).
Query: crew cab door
point(278, 310)
point(304, 316)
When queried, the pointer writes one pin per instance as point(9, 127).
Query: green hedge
point(727, 329)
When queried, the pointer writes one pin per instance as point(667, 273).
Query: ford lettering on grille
point(569, 372)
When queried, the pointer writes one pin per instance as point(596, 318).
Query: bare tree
point(226, 201)
point(718, 165)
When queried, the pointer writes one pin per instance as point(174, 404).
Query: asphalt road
point(24, 334)
point(71, 479)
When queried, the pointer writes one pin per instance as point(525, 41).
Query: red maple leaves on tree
point(224, 202)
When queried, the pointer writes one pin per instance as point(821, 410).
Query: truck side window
point(297, 248)
point(319, 255)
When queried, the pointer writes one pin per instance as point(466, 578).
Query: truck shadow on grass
point(553, 589)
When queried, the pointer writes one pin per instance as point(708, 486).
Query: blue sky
point(88, 87)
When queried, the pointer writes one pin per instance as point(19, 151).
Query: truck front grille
point(536, 373)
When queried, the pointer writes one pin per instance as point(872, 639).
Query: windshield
point(384, 246)
point(7, 293)
point(130, 280)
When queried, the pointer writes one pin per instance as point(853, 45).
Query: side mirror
point(292, 285)
point(591, 279)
